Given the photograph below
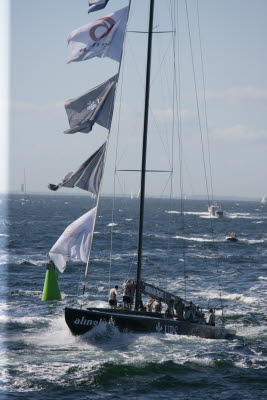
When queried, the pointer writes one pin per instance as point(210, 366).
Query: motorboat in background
point(215, 210)
point(231, 237)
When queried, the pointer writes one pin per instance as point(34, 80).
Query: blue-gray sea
point(40, 359)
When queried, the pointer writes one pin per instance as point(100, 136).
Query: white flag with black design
point(100, 38)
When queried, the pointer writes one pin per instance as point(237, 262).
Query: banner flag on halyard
point(100, 38)
point(88, 175)
point(75, 241)
point(95, 5)
point(93, 106)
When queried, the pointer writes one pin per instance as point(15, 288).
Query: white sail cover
point(88, 176)
point(100, 38)
point(75, 241)
point(95, 106)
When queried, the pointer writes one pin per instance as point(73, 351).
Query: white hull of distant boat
point(215, 211)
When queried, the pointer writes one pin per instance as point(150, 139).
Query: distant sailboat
point(263, 199)
point(23, 185)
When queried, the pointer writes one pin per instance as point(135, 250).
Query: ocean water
point(39, 357)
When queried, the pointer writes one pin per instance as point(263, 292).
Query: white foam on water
point(194, 239)
point(206, 361)
point(57, 334)
point(34, 320)
point(263, 278)
point(128, 219)
point(4, 318)
point(112, 224)
point(253, 332)
point(240, 298)
point(238, 215)
point(241, 364)
point(254, 241)
point(210, 294)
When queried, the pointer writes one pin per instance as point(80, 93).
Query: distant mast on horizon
point(23, 185)
point(263, 199)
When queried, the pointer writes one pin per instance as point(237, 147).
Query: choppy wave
point(44, 360)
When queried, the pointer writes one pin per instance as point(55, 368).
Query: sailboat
point(88, 176)
point(263, 199)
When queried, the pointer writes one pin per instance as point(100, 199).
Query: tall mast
point(143, 171)
point(24, 181)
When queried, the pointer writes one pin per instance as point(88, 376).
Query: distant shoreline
point(121, 195)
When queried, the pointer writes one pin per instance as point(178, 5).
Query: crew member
point(126, 295)
point(157, 306)
point(113, 297)
point(169, 313)
point(211, 317)
point(198, 313)
point(132, 292)
point(179, 308)
point(149, 304)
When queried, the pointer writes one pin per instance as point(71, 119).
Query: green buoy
point(51, 290)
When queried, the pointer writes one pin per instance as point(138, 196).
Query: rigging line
point(150, 110)
point(105, 156)
point(114, 179)
point(139, 170)
point(160, 66)
point(209, 157)
point(180, 145)
point(148, 32)
point(159, 134)
point(122, 63)
point(205, 102)
point(199, 121)
point(197, 103)
point(172, 135)
point(202, 144)
point(166, 93)
point(163, 190)
point(97, 204)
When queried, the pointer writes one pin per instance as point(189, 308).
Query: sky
point(233, 42)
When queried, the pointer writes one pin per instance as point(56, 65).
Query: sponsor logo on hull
point(87, 322)
point(173, 330)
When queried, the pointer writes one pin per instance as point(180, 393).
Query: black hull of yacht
point(81, 321)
